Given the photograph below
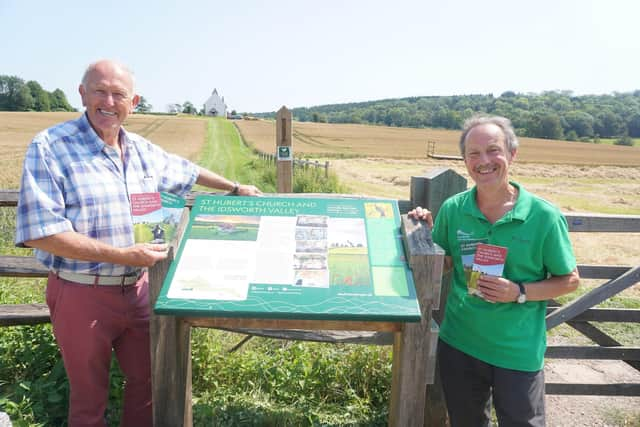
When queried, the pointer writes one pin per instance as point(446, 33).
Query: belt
point(91, 279)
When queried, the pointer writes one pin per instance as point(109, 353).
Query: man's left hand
point(248, 190)
point(497, 289)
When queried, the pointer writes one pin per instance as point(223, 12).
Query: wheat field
point(184, 136)
point(350, 140)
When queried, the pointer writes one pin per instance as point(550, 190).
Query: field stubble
point(352, 140)
point(179, 135)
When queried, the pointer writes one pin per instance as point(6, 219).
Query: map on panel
point(291, 258)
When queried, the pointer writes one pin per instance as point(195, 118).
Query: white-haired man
point(74, 209)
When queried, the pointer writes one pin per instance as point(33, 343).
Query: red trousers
point(88, 323)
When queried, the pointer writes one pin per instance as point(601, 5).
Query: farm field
point(349, 140)
point(181, 135)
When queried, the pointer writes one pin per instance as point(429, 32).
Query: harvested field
point(180, 135)
point(349, 140)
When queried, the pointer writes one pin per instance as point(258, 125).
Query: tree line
point(551, 115)
point(16, 95)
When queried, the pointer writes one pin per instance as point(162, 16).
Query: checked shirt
point(73, 181)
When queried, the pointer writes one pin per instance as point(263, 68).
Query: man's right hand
point(70, 244)
point(146, 254)
point(422, 214)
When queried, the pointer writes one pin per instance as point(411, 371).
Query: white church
point(215, 105)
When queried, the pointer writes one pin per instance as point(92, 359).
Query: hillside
point(550, 115)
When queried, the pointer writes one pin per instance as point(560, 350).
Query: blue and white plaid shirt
point(73, 181)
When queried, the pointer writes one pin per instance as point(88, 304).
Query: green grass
point(226, 154)
point(626, 419)
point(272, 382)
point(611, 141)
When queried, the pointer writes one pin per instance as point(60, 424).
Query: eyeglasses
point(118, 97)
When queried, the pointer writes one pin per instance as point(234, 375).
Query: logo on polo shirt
point(520, 239)
point(463, 235)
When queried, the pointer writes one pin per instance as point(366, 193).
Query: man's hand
point(497, 289)
point(146, 254)
point(422, 214)
point(248, 190)
point(70, 244)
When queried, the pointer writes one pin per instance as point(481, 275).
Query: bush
point(275, 382)
point(309, 180)
point(625, 140)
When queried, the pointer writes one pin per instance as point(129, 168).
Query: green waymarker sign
point(291, 258)
point(284, 153)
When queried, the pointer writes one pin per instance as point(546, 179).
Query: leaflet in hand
point(489, 259)
point(155, 216)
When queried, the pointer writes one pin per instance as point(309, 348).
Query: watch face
point(522, 298)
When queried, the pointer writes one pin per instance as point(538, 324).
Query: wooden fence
point(430, 191)
point(301, 163)
point(272, 158)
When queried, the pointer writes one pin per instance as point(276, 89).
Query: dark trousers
point(469, 384)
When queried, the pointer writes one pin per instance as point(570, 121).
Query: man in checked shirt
point(74, 210)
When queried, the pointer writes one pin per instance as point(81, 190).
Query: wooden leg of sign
point(170, 361)
point(171, 372)
point(409, 376)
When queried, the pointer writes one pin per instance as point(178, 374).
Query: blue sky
point(261, 55)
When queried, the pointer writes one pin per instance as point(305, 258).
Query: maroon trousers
point(88, 323)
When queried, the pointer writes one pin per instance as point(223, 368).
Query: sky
point(262, 55)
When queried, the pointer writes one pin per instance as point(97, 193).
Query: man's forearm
point(213, 180)
point(553, 287)
point(77, 246)
point(73, 245)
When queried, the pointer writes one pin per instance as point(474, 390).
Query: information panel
point(291, 258)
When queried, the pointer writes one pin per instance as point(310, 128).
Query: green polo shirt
point(507, 335)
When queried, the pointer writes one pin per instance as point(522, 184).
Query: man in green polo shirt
point(493, 340)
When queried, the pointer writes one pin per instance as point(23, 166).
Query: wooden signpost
point(284, 151)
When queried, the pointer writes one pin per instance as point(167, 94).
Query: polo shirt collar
point(519, 212)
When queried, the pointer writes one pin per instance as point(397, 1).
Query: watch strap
point(236, 187)
point(523, 293)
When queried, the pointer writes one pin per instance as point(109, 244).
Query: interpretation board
point(291, 258)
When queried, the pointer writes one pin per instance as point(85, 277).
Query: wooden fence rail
point(301, 163)
point(430, 191)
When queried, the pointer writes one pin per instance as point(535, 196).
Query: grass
point(615, 418)
point(271, 382)
point(611, 141)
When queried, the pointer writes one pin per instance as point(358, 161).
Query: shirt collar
point(93, 141)
point(519, 212)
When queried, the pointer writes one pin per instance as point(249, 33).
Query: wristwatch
point(236, 187)
point(522, 298)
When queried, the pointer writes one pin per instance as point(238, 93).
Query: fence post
point(414, 347)
point(326, 169)
point(431, 191)
point(284, 151)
